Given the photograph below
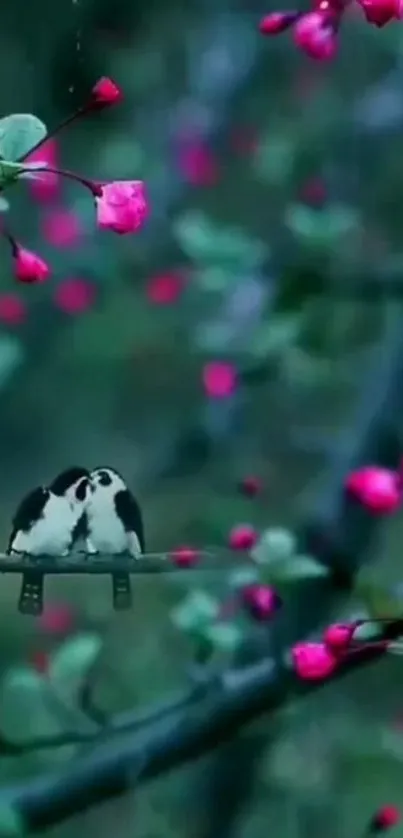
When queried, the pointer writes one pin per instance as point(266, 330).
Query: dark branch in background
point(198, 722)
point(340, 533)
point(237, 697)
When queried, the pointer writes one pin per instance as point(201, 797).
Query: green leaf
point(243, 576)
point(275, 545)
point(299, 568)
point(11, 822)
point(70, 664)
point(195, 611)
point(211, 244)
point(20, 132)
point(274, 159)
point(320, 228)
point(26, 709)
point(225, 637)
point(9, 173)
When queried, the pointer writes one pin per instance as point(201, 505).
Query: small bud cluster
point(121, 206)
point(316, 32)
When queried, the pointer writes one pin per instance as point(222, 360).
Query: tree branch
point(239, 696)
point(87, 564)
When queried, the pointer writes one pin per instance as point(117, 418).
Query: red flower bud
point(384, 818)
point(184, 556)
point(105, 92)
point(242, 537)
point(378, 489)
point(380, 12)
point(277, 22)
point(28, 267)
point(315, 34)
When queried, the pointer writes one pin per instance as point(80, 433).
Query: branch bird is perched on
point(114, 524)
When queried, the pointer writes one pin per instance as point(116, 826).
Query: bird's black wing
point(30, 510)
point(129, 513)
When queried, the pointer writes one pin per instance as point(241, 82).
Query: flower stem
point(95, 188)
point(69, 119)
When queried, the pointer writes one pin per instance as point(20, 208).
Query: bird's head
point(74, 484)
point(106, 480)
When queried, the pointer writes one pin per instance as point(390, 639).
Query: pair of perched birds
point(95, 506)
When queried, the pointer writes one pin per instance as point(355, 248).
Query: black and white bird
point(114, 519)
point(114, 525)
point(46, 520)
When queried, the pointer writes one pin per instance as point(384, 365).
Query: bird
point(46, 519)
point(114, 524)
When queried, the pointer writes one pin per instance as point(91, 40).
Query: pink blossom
point(40, 662)
point(74, 296)
point(315, 34)
point(45, 186)
point(164, 289)
point(105, 92)
point(377, 488)
point(219, 379)
point(381, 12)
point(198, 164)
point(276, 22)
point(122, 206)
point(251, 485)
point(313, 661)
point(338, 636)
point(261, 600)
point(242, 537)
point(184, 556)
point(56, 619)
point(61, 228)
point(13, 310)
point(28, 267)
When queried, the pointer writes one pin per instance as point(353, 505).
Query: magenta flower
point(28, 266)
point(74, 296)
point(13, 311)
point(338, 636)
point(242, 537)
point(122, 206)
point(184, 556)
point(262, 601)
point(219, 379)
point(378, 489)
point(313, 661)
point(104, 93)
point(61, 228)
point(45, 186)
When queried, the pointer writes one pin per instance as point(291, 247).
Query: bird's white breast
point(51, 534)
point(106, 531)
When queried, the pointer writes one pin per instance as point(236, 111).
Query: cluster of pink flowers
point(316, 32)
point(121, 206)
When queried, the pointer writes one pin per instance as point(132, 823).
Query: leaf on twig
point(70, 664)
point(225, 637)
point(19, 132)
point(299, 568)
point(25, 709)
point(197, 610)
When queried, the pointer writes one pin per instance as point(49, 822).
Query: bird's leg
point(90, 549)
